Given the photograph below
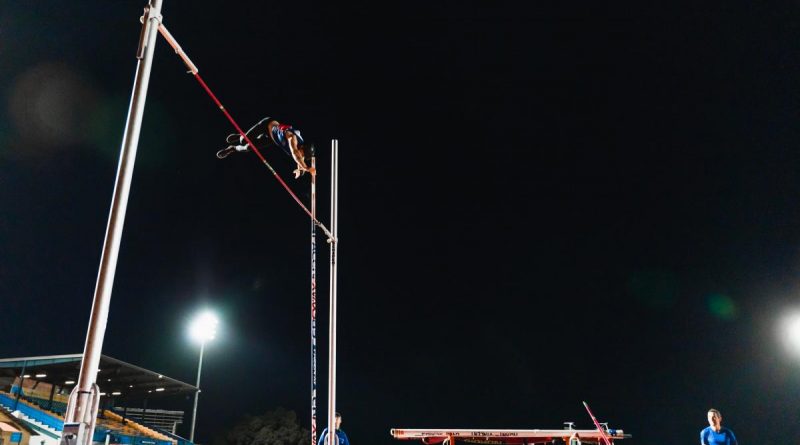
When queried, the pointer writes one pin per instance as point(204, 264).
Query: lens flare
point(722, 306)
point(48, 106)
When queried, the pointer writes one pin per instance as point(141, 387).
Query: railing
point(153, 418)
point(176, 439)
point(42, 392)
point(36, 414)
point(49, 405)
point(151, 433)
point(126, 439)
point(101, 431)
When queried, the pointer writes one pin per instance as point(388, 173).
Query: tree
point(278, 427)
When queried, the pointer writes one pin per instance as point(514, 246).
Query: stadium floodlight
point(203, 329)
point(791, 330)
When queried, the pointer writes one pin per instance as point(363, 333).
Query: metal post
point(76, 429)
point(314, 301)
point(50, 399)
point(19, 389)
point(197, 394)
point(332, 319)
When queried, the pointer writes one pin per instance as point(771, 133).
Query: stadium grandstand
point(34, 393)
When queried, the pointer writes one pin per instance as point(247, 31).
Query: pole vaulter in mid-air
point(83, 406)
point(244, 137)
point(269, 132)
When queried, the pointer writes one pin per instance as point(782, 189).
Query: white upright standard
point(332, 318)
point(79, 419)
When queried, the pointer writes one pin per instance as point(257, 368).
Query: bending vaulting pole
point(332, 320)
point(108, 261)
point(194, 71)
point(314, 302)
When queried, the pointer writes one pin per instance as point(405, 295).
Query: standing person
point(343, 440)
point(715, 433)
point(269, 131)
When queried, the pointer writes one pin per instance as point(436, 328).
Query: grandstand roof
point(114, 375)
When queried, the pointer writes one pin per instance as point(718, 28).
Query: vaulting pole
point(82, 409)
point(597, 424)
point(194, 71)
point(332, 318)
point(314, 302)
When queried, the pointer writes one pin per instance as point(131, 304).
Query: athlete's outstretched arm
point(297, 155)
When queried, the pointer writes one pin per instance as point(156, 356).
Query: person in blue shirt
point(715, 433)
point(343, 440)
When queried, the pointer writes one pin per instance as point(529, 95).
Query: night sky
point(539, 205)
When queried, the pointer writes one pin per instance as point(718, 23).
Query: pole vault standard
point(332, 316)
point(83, 402)
point(332, 239)
point(314, 302)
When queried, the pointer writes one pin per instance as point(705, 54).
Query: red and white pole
point(597, 424)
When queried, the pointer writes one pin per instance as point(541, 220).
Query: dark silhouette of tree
point(278, 427)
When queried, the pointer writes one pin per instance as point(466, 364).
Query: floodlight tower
point(202, 329)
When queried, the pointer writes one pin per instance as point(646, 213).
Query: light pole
point(202, 329)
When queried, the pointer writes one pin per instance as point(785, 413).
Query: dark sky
point(538, 205)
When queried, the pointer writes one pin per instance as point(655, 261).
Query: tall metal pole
point(78, 427)
point(197, 394)
point(21, 381)
point(314, 301)
point(332, 319)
